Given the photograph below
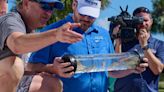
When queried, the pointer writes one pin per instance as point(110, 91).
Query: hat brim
point(94, 12)
point(58, 5)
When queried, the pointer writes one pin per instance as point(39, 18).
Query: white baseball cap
point(89, 7)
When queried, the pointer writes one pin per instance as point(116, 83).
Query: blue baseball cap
point(58, 4)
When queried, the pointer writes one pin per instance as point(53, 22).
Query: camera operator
point(152, 48)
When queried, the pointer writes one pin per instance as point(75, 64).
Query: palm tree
point(158, 15)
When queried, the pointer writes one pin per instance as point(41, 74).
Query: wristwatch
point(146, 47)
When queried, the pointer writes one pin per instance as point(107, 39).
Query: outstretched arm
point(22, 43)
point(58, 67)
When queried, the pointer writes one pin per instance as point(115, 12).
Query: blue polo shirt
point(95, 40)
point(147, 81)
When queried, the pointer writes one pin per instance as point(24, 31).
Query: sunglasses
point(87, 15)
point(141, 9)
point(46, 6)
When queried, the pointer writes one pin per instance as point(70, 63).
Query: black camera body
point(128, 25)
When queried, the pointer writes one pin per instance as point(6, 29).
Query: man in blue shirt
point(153, 49)
point(96, 40)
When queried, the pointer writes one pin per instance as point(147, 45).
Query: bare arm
point(38, 67)
point(118, 45)
point(154, 63)
point(22, 43)
point(58, 68)
point(117, 40)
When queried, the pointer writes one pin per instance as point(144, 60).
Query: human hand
point(141, 67)
point(66, 34)
point(115, 33)
point(143, 37)
point(63, 69)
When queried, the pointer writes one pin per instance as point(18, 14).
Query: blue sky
point(10, 4)
point(114, 9)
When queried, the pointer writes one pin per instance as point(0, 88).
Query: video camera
point(128, 25)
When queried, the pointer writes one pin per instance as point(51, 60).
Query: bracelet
point(146, 47)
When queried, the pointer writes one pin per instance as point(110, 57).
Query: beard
point(85, 24)
point(148, 28)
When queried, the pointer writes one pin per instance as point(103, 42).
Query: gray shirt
point(9, 23)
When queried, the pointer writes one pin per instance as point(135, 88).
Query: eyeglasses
point(46, 6)
point(88, 16)
point(141, 9)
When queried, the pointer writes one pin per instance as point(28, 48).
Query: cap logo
point(91, 2)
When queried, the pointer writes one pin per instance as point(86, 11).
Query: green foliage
point(161, 83)
point(158, 15)
point(105, 3)
point(60, 14)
